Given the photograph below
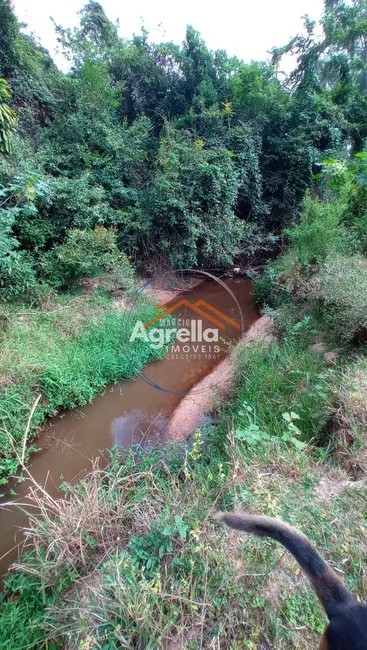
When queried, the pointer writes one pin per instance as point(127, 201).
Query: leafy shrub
point(17, 274)
point(17, 277)
point(346, 181)
point(355, 215)
point(22, 617)
point(251, 434)
point(77, 202)
point(265, 284)
point(318, 233)
point(340, 289)
point(88, 253)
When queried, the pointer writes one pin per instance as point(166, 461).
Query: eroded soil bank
point(214, 387)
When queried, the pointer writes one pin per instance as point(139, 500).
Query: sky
point(245, 28)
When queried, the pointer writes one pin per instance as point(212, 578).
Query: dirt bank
point(159, 290)
point(215, 386)
point(165, 289)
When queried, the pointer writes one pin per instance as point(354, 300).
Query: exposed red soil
point(215, 386)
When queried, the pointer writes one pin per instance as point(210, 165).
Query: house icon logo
point(201, 307)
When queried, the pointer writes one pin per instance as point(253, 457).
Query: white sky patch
point(244, 28)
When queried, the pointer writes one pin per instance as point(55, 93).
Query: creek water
point(133, 411)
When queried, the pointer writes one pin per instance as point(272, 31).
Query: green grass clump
point(23, 603)
point(276, 380)
point(329, 298)
point(67, 354)
point(319, 233)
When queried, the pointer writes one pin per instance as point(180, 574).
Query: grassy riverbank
point(67, 353)
point(132, 556)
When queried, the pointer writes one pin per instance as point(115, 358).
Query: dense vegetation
point(151, 155)
point(192, 157)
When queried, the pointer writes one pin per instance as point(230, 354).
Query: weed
point(276, 381)
point(22, 610)
point(340, 290)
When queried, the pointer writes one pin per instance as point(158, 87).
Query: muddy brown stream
point(132, 411)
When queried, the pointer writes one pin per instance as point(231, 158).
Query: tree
point(9, 57)
point(329, 4)
point(7, 119)
point(180, 149)
point(190, 202)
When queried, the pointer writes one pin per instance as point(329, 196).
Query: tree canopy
point(191, 156)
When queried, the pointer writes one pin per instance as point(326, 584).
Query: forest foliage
point(188, 156)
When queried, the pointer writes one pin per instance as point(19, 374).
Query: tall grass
point(277, 379)
point(132, 557)
point(318, 233)
point(67, 355)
